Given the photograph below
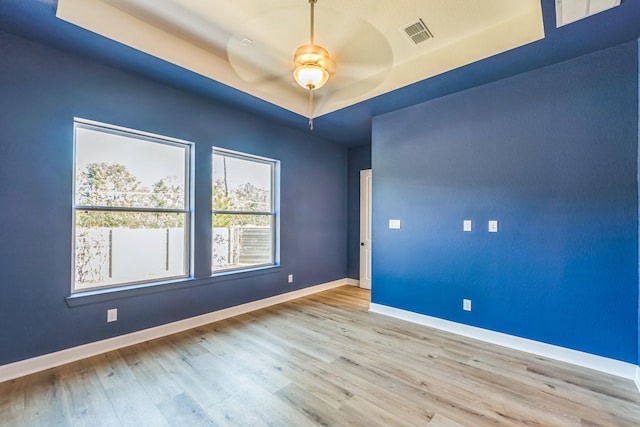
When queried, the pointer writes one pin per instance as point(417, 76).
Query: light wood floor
point(320, 360)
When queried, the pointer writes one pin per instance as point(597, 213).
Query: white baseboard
point(51, 360)
point(591, 361)
point(353, 282)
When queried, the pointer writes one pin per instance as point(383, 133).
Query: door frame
point(366, 185)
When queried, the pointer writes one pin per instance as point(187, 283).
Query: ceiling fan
point(313, 64)
point(262, 52)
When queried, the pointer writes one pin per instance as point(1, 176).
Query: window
point(131, 207)
point(244, 211)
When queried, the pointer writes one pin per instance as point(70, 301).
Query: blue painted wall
point(42, 90)
point(552, 155)
point(638, 47)
point(359, 158)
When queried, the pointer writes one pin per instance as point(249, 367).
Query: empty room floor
point(322, 360)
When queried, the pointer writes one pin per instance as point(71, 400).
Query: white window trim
point(274, 213)
point(188, 208)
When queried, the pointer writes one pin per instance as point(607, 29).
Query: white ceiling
point(364, 37)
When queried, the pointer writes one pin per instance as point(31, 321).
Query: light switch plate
point(394, 224)
point(466, 225)
point(493, 226)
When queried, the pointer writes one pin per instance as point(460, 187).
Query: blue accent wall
point(552, 155)
point(638, 47)
point(42, 90)
point(359, 158)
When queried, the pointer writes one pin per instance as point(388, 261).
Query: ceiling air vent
point(417, 32)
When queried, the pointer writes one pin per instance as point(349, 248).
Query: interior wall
point(43, 89)
point(552, 155)
point(359, 158)
point(638, 47)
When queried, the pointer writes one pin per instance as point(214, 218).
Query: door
point(365, 229)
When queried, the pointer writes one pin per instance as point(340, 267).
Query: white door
point(365, 229)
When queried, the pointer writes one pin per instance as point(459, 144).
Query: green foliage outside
point(113, 185)
point(245, 198)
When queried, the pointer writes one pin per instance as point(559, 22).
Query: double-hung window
point(132, 210)
point(244, 211)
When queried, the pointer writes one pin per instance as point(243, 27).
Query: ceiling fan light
point(311, 76)
point(313, 66)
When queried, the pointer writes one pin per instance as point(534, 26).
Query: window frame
point(187, 210)
point(273, 213)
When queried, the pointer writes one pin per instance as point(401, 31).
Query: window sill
point(103, 295)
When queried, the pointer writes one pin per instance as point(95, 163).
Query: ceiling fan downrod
point(313, 64)
point(312, 21)
point(312, 42)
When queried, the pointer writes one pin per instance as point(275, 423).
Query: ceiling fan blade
point(262, 49)
point(255, 62)
point(348, 38)
point(275, 78)
point(176, 19)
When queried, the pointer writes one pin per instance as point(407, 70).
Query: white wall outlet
point(290, 278)
point(467, 225)
point(466, 304)
point(112, 315)
point(493, 226)
point(394, 224)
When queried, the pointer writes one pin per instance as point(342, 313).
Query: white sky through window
point(149, 162)
point(240, 172)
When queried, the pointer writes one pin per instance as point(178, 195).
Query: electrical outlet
point(466, 304)
point(493, 226)
point(466, 225)
point(290, 278)
point(112, 315)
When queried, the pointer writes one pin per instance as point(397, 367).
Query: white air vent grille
point(417, 32)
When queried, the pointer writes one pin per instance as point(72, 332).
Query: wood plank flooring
point(323, 360)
